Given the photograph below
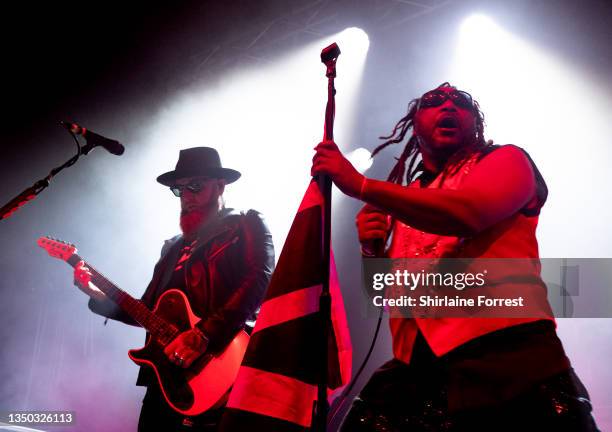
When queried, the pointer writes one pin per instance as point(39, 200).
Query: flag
point(277, 381)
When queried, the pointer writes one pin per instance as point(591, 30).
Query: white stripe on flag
point(288, 307)
point(273, 395)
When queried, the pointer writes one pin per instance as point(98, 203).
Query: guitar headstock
point(57, 248)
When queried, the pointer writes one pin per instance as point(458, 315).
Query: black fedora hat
point(199, 161)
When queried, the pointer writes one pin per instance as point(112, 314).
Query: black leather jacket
point(225, 278)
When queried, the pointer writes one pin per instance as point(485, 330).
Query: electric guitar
point(189, 391)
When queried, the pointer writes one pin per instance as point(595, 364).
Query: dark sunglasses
point(194, 187)
point(437, 97)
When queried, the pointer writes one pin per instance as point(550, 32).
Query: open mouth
point(448, 123)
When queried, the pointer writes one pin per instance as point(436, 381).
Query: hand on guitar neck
point(82, 280)
point(182, 351)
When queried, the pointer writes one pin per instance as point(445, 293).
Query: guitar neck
point(134, 308)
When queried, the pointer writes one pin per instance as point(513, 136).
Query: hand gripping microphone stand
point(329, 56)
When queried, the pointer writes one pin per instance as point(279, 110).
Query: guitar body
point(204, 384)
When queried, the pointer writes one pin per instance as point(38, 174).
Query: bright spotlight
point(355, 39)
point(360, 158)
point(529, 99)
point(476, 25)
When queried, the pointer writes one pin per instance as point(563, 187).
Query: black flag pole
point(329, 55)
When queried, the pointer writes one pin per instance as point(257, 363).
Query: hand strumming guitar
point(186, 347)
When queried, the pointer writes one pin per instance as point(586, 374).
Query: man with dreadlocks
point(465, 197)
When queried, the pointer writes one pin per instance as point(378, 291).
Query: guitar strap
point(163, 272)
point(165, 267)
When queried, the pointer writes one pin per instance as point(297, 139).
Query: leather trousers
point(396, 399)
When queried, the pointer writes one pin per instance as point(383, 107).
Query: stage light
point(354, 42)
point(557, 113)
point(477, 25)
point(360, 158)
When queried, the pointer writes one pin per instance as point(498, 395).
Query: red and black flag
point(277, 382)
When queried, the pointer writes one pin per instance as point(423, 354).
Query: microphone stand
point(329, 55)
point(31, 192)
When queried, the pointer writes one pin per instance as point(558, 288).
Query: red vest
point(513, 237)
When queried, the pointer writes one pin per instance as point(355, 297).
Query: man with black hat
point(222, 261)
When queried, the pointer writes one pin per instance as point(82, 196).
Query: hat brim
point(228, 174)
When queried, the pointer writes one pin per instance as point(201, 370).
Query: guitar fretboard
point(158, 327)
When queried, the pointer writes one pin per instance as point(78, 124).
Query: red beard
point(191, 221)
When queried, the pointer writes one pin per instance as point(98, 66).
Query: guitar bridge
point(167, 335)
point(164, 339)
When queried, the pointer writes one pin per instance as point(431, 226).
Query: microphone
point(94, 140)
point(373, 248)
point(378, 247)
point(330, 53)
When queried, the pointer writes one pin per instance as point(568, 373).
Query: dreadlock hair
point(411, 149)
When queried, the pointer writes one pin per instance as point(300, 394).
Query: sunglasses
point(437, 97)
point(194, 187)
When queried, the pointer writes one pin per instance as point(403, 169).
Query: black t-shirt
point(177, 280)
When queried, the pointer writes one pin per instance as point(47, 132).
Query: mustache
point(191, 220)
point(193, 209)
